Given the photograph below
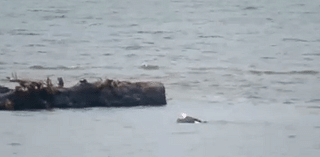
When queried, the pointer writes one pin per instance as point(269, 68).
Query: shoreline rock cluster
point(30, 95)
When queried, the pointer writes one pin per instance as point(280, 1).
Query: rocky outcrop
point(31, 95)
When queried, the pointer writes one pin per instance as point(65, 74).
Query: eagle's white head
point(184, 115)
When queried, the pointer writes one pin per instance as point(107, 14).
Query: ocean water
point(250, 68)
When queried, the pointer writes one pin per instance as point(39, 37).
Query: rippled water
point(251, 68)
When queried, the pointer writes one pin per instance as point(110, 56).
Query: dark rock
point(4, 90)
point(109, 93)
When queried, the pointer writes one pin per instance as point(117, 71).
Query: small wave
point(288, 102)
point(227, 122)
point(88, 17)
point(27, 34)
point(134, 47)
point(168, 37)
point(42, 51)
point(184, 132)
point(250, 8)
point(84, 54)
point(91, 2)
point(149, 67)
point(39, 67)
point(14, 144)
point(284, 90)
point(209, 52)
point(311, 54)
point(133, 25)
point(96, 24)
point(210, 68)
point(313, 100)
point(308, 59)
point(315, 107)
point(50, 11)
point(61, 35)
point(182, 84)
point(131, 55)
point(105, 67)
point(50, 17)
point(148, 42)
point(22, 32)
point(19, 30)
point(288, 83)
point(210, 36)
point(202, 68)
point(309, 12)
point(108, 54)
point(35, 45)
point(303, 72)
point(63, 41)
point(52, 41)
point(23, 114)
point(299, 4)
point(294, 39)
point(254, 97)
point(36, 10)
point(268, 58)
point(152, 32)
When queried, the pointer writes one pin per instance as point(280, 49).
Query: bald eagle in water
point(187, 119)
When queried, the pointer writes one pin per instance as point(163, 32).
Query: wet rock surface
point(109, 93)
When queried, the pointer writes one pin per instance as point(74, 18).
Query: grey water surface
point(250, 68)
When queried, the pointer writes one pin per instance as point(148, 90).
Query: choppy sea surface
point(250, 68)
